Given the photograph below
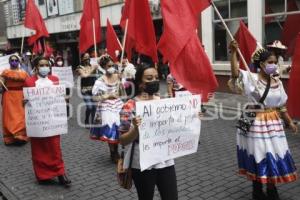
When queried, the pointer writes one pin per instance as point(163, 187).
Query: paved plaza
point(209, 174)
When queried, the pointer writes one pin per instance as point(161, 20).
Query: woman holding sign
point(46, 152)
point(263, 153)
point(161, 175)
point(13, 114)
point(108, 91)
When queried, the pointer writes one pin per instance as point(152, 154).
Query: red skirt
point(47, 157)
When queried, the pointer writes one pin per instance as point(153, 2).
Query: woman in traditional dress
point(263, 153)
point(13, 114)
point(108, 91)
point(46, 152)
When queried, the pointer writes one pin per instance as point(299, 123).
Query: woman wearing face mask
point(13, 114)
point(108, 91)
point(263, 153)
point(88, 76)
point(162, 175)
point(46, 152)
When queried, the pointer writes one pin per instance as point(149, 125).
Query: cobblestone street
point(209, 174)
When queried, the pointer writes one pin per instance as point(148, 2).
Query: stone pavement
point(209, 174)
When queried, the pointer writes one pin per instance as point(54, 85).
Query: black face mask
point(86, 62)
point(151, 87)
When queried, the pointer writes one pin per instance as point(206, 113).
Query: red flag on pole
point(291, 27)
point(247, 43)
point(91, 11)
point(125, 13)
point(48, 50)
point(294, 82)
point(37, 47)
point(181, 46)
point(34, 21)
point(112, 42)
point(141, 31)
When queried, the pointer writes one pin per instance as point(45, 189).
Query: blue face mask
point(14, 63)
point(44, 71)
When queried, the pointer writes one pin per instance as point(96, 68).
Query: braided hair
point(260, 55)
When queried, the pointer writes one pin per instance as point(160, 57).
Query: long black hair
point(139, 76)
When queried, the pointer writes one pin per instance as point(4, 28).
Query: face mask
point(44, 71)
point(111, 70)
point(14, 64)
point(151, 87)
point(270, 69)
point(60, 63)
point(86, 61)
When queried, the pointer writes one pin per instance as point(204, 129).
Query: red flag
point(291, 27)
point(37, 47)
point(125, 13)
point(34, 20)
point(141, 31)
point(112, 41)
point(294, 82)
point(247, 43)
point(48, 50)
point(181, 46)
point(91, 11)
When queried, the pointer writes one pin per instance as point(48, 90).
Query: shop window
point(232, 11)
point(281, 22)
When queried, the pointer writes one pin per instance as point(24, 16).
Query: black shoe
point(63, 180)
point(258, 193)
point(46, 182)
point(273, 194)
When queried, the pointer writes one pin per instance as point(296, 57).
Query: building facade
point(266, 19)
point(3, 39)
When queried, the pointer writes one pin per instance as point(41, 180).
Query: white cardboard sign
point(170, 129)
point(45, 111)
point(65, 75)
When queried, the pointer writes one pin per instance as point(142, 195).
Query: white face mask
point(44, 71)
point(60, 63)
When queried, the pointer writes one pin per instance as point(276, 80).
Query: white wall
point(67, 23)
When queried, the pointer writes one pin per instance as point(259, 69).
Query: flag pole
point(230, 35)
point(94, 34)
point(1, 82)
point(44, 46)
point(22, 43)
point(232, 38)
point(124, 41)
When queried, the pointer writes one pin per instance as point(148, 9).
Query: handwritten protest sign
point(4, 64)
point(65, 75)
point(170, 129)
point(45, 111)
